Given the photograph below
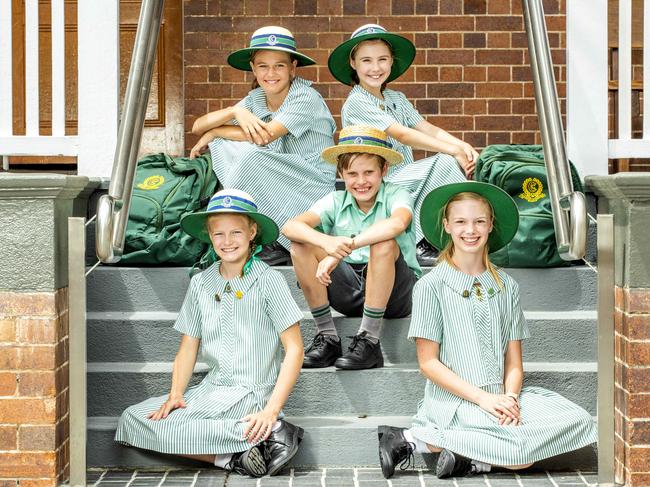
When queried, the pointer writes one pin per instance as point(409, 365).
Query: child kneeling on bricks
point(240, 313)
point(354, 250)
point(467, 325)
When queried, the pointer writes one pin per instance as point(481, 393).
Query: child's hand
point(255, 130)
point(168, 406)
point(325, 267)
point(260, 425)
point(200, 146)
point(503, 407)
point(338, 247)
point(472, 157)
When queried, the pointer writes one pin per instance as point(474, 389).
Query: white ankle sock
point(222, 460)
point(480, 467)
point(276, 425)
point(420, 446)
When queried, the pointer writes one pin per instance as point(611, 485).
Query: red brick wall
point(470, 76)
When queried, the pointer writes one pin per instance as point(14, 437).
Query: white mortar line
point(356, 478)
point(196, 477)
point(322, 478)
point(455, 482)
point(550, 477)
point(259, 482)
point(291, 476)
point(584, 479)
point(486, 480)
point(102, 476)
point(421, 477)
point(162, 481)
point(135, 474)
point(518, 478)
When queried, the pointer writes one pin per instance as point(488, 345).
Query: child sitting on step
point(468, 325)
point(354, 250)
point(240, 313)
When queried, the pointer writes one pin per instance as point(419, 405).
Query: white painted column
point(31, 68)
point(6, 78)
point(58, 68)
point(587, 103)
point(98, 97)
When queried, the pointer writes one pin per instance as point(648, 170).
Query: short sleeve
point(325, 208)
point(518, 326)
point(411, 116)
point(297, 116)
point(401, 199)
point(280, 305)
point(426, 318)
point(189, 317)
point(358, 110)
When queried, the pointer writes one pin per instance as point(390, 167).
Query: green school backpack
point(164, 190)
point(520, 171)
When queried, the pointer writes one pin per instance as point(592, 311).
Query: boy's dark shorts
point(347, 290)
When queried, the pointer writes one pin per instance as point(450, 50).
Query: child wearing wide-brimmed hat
point(270, 142)
point(370, 59)
point(468, 324)
point(240, 313)
point(354, 250)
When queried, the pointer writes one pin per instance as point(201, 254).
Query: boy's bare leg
point(380, 277)
point(305, 259)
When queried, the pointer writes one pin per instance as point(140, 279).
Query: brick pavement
point(332, 477)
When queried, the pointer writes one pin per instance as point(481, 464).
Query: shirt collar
point(387, 101)
point(349, 200)
point(258, 97)
point(463, 283)
point(217, 285)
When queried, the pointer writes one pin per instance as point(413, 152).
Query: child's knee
point(388, 249)
point(298, 250)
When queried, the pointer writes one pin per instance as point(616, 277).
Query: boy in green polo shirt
point(354, 250)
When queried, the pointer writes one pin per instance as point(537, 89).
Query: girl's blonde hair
point(447, 253)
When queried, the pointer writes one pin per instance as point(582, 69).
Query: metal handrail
point(113, 208)
point(569, 206)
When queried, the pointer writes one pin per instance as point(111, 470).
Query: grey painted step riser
point(154, 341)
point(379, 392)
point(323, 447)
point(163, 289)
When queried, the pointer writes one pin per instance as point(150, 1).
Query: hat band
point(273, 40)
point(231, 203)
point(368, 30)
point(364, 140)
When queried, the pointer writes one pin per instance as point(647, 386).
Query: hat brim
point(403, 55)
point(241, 59)
point(506, 214)
point(194, 224)
point(331, 154)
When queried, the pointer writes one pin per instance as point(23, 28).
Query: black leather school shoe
point(250, 462)
point(394, 450)
point(426, 254)
point(274, 254)
point(323, 351)
point(362, 354)
point(452, 464)
point(282, 446)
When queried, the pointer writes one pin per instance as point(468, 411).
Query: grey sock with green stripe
point(371, 322)
point(323, 320)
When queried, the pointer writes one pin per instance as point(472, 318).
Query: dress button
point(466, 293)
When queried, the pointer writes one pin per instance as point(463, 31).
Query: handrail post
point(77, 349)
point(113, 208)
point(606, 361)
point(569, 207)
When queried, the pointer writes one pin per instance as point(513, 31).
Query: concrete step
point(394, 389)
point(148, 336)
point(163, 288)
point(328, 442)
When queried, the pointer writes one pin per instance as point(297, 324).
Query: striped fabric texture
point(473, 319)
point(363, 108)
point(288, 175)
point(239, 323)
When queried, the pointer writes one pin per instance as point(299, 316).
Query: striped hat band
point(368, 29)
point(273, 40)
point(364, 140)
point(231, 203)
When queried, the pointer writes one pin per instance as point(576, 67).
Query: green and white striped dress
point(418, 177)
point(473, 333)
point(288, 175)
point(240, 342)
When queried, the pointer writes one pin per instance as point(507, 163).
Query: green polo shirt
point(340, 216)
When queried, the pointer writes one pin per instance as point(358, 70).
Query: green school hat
point(506, 215)
point(403, 53)
point(270, 38)
point(235, 202)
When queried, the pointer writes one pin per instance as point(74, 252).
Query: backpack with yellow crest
point(165, 189)
point(519, 170)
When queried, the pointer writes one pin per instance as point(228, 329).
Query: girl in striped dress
point(269, 143)
point(370, 59)
point(241, 314)
point(468, 324)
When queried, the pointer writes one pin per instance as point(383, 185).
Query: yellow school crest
point(152, 182)
point(532, 190)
